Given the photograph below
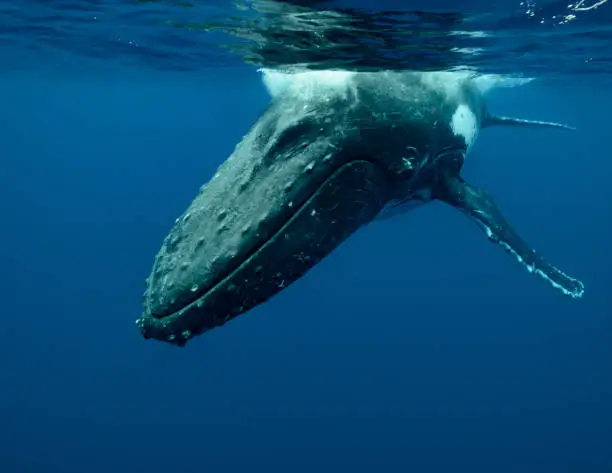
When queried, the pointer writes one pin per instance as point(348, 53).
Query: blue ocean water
point(416, 346)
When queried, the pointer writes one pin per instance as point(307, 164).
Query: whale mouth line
point(223, 278)
point(249, 256)
point(351, 196)
point(256, 250)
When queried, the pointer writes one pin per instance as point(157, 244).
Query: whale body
point(334, 151)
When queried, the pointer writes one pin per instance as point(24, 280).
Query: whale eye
point(297, 135)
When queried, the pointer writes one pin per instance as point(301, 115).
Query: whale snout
point(254, 229)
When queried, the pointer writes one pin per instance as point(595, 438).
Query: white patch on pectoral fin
point(558, 279)
point(464, 124)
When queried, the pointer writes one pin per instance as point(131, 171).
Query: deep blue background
point(417, 346)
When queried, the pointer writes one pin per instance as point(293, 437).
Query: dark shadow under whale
point(332, 151)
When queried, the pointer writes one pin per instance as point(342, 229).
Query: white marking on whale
point(465, 124)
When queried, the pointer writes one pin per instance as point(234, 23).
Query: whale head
point(289, 194)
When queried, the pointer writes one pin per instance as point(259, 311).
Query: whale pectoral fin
point(493, 120)
point(479, 206)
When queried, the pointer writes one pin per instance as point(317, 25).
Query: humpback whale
point(334, 151)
